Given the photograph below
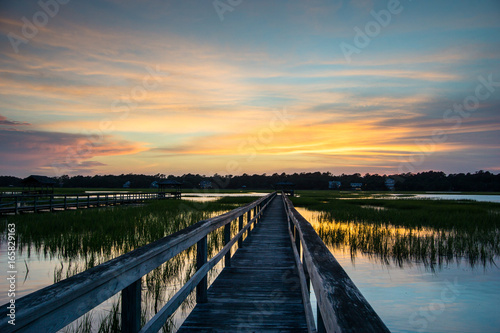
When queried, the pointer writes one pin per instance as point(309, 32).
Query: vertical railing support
point(65, 202)
point(227, 239)
point(201, 259)
point(297, 240)
point(249, 218)
point(240, 226)
point(17, 205)
point(131, 308)
point(320, 325)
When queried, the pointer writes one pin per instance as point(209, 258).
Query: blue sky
point(169, 87)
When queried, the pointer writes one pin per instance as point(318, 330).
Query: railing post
point(34, 204)
point(201, 259)
point(51, 202)
point(297, 240)
point(320, 325)
point(249, 218)
point(17, 205)
point(306, 273)
point(240, 226)
point(131, 308)
point(88, 201)
point(227, 239)
point(77, 199)
point(65, 202)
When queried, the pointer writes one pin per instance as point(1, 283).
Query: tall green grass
point(406, 231)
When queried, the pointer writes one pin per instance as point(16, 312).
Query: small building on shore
point(36, 184)
point(390, 184)
point(205, 184)
point(169, 186)
point(356, 186)
point(334, 185)
point(286, 187)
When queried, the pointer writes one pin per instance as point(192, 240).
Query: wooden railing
point(340, 305)
point(50, 202)
point(56, 306)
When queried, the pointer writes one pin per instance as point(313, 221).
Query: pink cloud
point(26, 152)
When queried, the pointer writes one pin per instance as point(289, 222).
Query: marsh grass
point(406, 230)
point(82, 239)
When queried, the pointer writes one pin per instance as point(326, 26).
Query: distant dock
point(37, 203)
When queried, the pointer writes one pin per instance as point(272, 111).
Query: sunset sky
point(234, 86)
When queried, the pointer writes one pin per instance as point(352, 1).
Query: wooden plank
point(131, 308)
point(311, 326)
point(260, 292)
point(201, 259)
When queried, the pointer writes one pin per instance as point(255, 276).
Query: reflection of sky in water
point(453, 298)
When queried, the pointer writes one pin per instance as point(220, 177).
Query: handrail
point(36, 202)
point(56, 306)
point(341, 306)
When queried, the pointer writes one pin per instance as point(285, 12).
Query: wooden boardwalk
point(260, 291)
point(263, 288)
point(37, 203)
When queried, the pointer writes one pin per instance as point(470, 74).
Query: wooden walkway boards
point(260, 292)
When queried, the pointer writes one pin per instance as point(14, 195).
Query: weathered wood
point(260, 292)
point(311, 326)
point(201, 259)
point(53, 202)
point(159, 319)
point(240, 226)
point(227, 238)
point(342, 306)
point(57, 305)
point(131, 308)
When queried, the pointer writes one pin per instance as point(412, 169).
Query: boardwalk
point(263, 288)
point(260, 291)
point(37, 203)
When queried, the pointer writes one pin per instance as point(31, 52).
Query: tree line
point(483, 181)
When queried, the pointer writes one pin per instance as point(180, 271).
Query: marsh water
point(411, 289)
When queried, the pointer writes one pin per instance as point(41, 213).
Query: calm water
point(412, 296)
point(442, 196)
